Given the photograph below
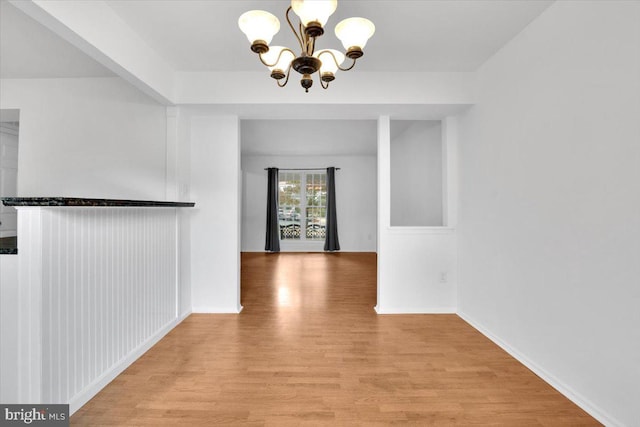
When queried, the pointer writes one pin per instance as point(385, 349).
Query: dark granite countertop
point(9, 245)
point(76, 201)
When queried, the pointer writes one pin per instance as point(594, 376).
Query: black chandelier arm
point(286, 49)
point(323, 52)
point(286, 80)
point(300, 40)
point(322, 83)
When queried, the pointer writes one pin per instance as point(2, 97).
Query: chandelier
point(260, 26)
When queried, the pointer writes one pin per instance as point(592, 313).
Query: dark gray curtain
point(331, 242)
point(272, 241)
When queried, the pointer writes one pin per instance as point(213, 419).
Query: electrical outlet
point(444, 277)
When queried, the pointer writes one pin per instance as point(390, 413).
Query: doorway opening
point(308, 147)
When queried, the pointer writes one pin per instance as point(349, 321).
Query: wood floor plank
point(308, 349)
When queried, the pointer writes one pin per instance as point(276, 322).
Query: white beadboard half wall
point(8, 331)
point(97, 287)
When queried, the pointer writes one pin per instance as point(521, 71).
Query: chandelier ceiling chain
point(260, 27)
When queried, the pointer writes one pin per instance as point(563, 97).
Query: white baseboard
point(411, 310)
point(291, 251)
point(216, 310)
point(184, 316)
point(77, 401)
point(550, 379)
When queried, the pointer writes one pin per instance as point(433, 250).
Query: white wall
point(416, 173)
point(354, 91)
point(356, 200)
point(416, 265)
point(215, 221)
point(94, 137)
point(550, 203)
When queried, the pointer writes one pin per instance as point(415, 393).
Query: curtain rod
point(302, 169)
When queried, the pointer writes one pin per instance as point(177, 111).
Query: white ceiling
point(309, 137)
point(202, 35)
point(29, 50)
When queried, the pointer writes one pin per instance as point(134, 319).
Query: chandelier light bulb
point(259, 27)
point(328, 63)
point(314, 10)
point(272, 56)
point(354, 33)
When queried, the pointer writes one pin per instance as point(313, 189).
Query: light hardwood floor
point(308, 349)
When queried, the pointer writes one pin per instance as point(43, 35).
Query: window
point(302, 199)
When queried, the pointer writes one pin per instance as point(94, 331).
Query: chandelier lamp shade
point(260, 26)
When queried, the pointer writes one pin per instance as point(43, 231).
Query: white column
point(215, 223)
point(384, 202)
point(171, 175)
point(171, 188)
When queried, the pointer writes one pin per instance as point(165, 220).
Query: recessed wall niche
point(9, 129)
point(416, 173)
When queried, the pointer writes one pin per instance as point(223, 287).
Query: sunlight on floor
point(284, 297)
point(301, 284)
